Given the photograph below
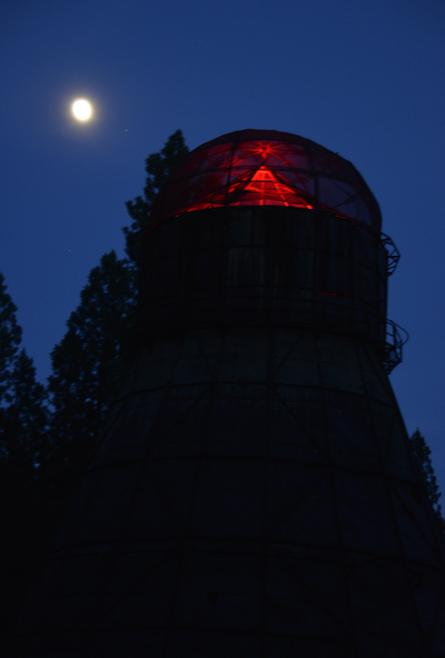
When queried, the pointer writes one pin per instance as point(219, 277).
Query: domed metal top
point(267, 168)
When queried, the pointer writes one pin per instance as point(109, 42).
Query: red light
point(263, 150)
point(261, 187)
point(259, 177)
point(266, 168)
point(265, 189)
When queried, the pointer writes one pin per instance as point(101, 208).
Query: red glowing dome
point(267, 168)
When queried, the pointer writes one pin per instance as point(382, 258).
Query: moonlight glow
point(82, 110)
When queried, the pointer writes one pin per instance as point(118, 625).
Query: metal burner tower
point(254, 496)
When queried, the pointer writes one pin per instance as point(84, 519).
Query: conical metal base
point(254, 497)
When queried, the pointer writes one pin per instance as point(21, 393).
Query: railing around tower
point(396, 337)
point(393, 254)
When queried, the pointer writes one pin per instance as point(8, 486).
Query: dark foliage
point(422, 455)
point(26, 418)
point(87, 363)
point(158, 167)
point(23, 412)
point(10, 337)
point(23, 450)
point(44, 449)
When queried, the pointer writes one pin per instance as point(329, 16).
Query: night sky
point(365, 79)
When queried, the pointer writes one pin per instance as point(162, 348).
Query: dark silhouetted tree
point(23, 449)
point(38, 467)
point(422, 455)
point(87, 363)
point(26, 418)
point(158, 167)
point(10, 337)
point(23, 412)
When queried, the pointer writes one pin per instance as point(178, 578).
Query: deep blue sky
point(365, 79)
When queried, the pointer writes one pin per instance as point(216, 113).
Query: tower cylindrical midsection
point(266, 267)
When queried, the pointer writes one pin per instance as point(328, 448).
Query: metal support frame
point(393, 254)
point(395, 339)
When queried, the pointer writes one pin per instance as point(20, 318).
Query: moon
point(82, 110)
